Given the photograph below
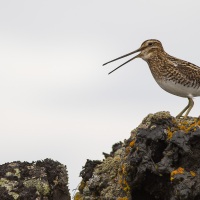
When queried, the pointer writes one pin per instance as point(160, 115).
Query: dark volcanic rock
point(47, 180)
point(160, 161)
point(87, 171)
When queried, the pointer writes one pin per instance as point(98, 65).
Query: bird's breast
point(170, 79)
point(178, 89)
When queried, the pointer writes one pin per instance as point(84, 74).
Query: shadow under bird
point(173, 75)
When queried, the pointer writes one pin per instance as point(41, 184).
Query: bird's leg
point(186, 108)
point(191, 104)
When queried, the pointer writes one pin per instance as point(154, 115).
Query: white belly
point(178, 89)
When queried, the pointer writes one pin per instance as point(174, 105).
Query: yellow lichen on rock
point(127, 150)
point(180, 170)
point(78, 196)
point(188, 125)
point(124, 169)
point(192, 173)
point(122, 179)
point(81, 186)
point(169, 134)
point(185, 125)
point(132, 143)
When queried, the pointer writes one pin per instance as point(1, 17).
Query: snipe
point(174, 75)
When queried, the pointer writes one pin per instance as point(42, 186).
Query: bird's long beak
point(123, 57)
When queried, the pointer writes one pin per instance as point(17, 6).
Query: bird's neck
point(156, 64)
point(153, 54)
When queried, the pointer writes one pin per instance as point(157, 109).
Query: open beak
point(123, 57)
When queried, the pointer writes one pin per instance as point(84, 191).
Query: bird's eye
point(150, 44)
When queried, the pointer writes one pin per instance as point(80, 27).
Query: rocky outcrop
point(41, 180)
point(160, 161)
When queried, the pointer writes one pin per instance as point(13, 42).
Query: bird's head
point(147, 49)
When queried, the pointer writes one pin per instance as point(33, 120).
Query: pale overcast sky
point(57, 101)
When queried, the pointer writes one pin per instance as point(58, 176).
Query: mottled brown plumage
point(174, 75)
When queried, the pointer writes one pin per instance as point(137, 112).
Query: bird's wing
point(191, 71)
point(187, 69)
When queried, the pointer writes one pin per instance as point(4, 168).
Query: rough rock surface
point(41, 180)
point(160, 161)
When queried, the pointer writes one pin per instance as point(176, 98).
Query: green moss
point(16, 173)
point(3, 181)
point(9, 185)
point(42, 187)
point(14, 195)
